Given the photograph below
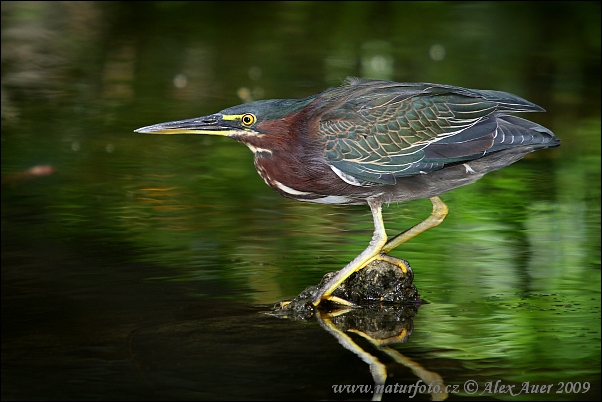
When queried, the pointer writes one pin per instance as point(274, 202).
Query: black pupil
point(247, 119)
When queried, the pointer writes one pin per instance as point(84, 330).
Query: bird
point(376, 142)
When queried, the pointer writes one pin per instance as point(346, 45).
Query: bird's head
point(246, 123)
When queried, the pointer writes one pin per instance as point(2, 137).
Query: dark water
point(141, 267)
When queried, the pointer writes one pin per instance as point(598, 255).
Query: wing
point(378, 131)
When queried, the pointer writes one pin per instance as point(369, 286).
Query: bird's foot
point(282, 304)
point(385, 279)
point(332, 299)
point(402, 264)
point(339, 300)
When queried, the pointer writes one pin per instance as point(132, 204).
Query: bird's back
point(377, 132)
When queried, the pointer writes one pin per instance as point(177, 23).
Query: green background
point(130, 232)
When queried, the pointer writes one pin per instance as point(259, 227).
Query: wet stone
point(381, 282)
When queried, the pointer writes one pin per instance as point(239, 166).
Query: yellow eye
point(248, 119)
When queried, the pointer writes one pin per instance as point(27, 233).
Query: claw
point(282, 304)
point(339, 300)
point(402, 264)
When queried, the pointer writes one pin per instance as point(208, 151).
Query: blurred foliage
point(78, 77)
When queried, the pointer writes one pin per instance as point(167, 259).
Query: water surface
point(141, 267)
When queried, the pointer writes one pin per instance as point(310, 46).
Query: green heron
point(374, 142)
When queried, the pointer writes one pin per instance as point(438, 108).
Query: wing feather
point(382, 130)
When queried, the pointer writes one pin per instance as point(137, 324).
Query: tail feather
point(514, 131)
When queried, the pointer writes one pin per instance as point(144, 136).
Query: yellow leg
point(439, 213)
point(379, 239)
point(379, 247)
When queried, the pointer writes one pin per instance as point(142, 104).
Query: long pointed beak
point(212, 125)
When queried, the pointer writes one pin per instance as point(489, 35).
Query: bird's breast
point(306, 181)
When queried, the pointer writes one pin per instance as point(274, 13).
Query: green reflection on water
point(513, 274)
